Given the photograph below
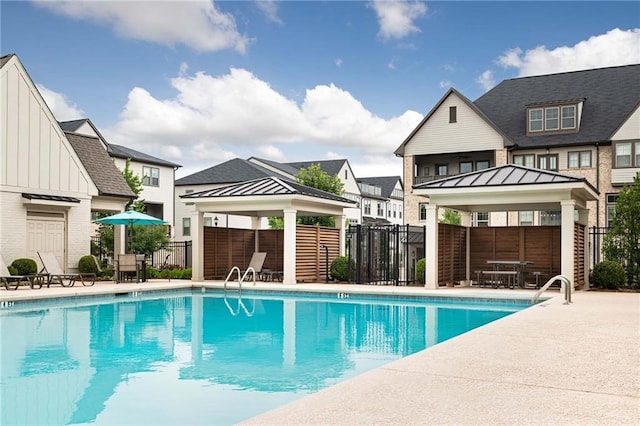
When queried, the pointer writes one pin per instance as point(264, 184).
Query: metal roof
point(60, 198)
point(268, 186)
point(508, 175)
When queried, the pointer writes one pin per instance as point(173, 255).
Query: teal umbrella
point(130, 218)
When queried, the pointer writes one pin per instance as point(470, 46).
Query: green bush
point(12, 270)
point(24, 266)
point(341, 269)
point(420, 270)
point(609, 274)
point(87, 265)
point(107, 273)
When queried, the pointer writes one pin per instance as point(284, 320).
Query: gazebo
point(508, 188)
point(265, 197)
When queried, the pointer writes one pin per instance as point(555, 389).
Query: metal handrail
point(240, 305)
point(235, 268)
point(565, 287)
point(253, 271)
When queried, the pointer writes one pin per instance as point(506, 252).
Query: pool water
point(205, 358)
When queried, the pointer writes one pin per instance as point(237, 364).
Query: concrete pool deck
point(549, 364)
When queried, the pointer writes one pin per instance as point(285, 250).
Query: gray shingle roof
point(284, 167)
point(331, 167)
point(232, 171)
point(120, 151)
point(266, 186)
point(611, 95)
point(99, 165)
point(4, 59)
point(386, 183)
point(73, 125)
point(508, 175)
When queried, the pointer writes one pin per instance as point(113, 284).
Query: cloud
point(338, 62)
point(62, 109)
point(197, 24)
point(214, 118)
point(616, 47)
point(270, 10)
point(445, 84)
point(486, 80)
point(396, 18)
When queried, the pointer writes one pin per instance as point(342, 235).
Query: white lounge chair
point(56, 275)
point(12, 282)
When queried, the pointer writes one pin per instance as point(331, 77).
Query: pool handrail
point(565, 287)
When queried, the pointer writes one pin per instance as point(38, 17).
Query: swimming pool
point(192, 357)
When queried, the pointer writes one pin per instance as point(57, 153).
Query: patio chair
point(56, 275)
point(12, 282)
point(127, 266)
point(256, 262)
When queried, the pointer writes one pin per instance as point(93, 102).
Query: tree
point(135, 183)
point(314, 177)
point(451, 217)
point(622, 242)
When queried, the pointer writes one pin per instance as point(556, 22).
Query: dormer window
point(556, 118)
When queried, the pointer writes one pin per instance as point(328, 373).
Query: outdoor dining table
point(520, 266)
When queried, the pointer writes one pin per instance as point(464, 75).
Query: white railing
point(565, 287)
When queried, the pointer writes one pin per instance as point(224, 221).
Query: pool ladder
point(241, 279)
point(565, 287)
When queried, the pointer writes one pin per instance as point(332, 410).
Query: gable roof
point(267, 186)
point(120, 151)
point(231, 171)
point(5, 58)
point(99, 165)
point(331, 167)
point(386, 183)
point(283, 167)
point(400, 150)
point(610, 96)
point(507, 175)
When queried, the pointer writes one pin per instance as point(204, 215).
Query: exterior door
point(46, 234)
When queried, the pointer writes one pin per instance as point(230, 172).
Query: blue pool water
point(205, 358)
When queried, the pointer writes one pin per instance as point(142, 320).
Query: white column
point(567, 240)
point(466, 222)
point(431, 248)
point(119, 240)
point(289, 247)
point(340, 225)
point(197, 254)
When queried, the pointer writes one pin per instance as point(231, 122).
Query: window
point(481, 165)
point(380, 210)
point(394, 210)
point(548, 162)
point(550, 217)
point(552, 119)
point(399, 212)
point(207, 221)
point(442, 170)
point(453, 114)
point(186, 226)
point(612, 199)
point(367, 207)
point(579, 159)
point(525, 218)
point(526, 160)
point(346, 174)
point(480, 219)
point(627, 154)
point(422, 212)
point(466, 166)
point(150, 176)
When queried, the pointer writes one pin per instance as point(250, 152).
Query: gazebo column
point(339, 220)
point(289, 247)
point(119, 240)
point(197, 254)
point(431, 248)
point(567, 239)
point(465, 220)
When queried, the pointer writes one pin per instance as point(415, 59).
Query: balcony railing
point(429, 178)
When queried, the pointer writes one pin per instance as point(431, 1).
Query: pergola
point(266, 197)
point(507, 188)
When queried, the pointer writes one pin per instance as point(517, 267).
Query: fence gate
point(385, 254)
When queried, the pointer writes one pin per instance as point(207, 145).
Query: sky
point(202, 82)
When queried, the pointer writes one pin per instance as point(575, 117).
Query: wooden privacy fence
point(452, 253)
point(225, 248)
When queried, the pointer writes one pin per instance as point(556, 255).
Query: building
point(382, 200)
point(582, 123)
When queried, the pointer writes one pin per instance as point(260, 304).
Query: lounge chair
point(12, 282)
point(127, 265)
point(256, 262)
point(56, 275)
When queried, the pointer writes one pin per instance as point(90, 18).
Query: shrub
point(24, 266)
point(609, 274)
point(107, 273)
point(12, 270)
point(341, 269)
point(87, 265)
point(420, 270)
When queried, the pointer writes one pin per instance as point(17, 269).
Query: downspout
point(598, 183)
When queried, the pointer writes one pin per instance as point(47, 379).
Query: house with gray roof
point(582, 123)
point(382, 200)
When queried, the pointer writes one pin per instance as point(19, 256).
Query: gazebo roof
point(508, 187)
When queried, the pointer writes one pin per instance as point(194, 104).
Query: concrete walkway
point(549, 364)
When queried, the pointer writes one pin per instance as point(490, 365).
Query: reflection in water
point(202, 359)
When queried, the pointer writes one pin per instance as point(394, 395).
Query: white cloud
point(486, 80)
point(62, 109)
point(214, 118)
point(197, 24)
point(396, 18)
point(338, 62)
point(445, 84)
point(616, 47)
point(270, 10)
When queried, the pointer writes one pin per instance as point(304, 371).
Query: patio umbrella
point(130, 218)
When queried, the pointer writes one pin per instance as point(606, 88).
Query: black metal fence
point(596, 238)
point(177, 254)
